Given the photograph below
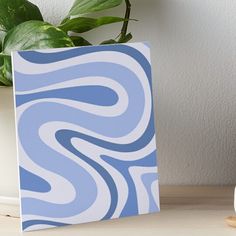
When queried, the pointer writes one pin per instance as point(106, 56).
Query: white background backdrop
point(194, 76)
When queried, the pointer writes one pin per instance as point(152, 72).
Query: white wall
point(194, 64)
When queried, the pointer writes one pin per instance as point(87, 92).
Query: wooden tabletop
point(184, 211)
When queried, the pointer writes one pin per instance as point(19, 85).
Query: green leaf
point(109, 41)
point(81, 7)
point(30, 35)
point(5, 71)
point(35, 35)
point(126, 39)
point(14, 12)
point(79, 41)
point(1, 61)
point(84, 24)
point(1, 39)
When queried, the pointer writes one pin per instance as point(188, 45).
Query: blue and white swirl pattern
point(86, 138)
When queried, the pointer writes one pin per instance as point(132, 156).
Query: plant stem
point(126, 23)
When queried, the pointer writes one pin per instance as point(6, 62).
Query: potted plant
point(22, 27)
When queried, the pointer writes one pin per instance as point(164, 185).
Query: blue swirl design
point(74, 130)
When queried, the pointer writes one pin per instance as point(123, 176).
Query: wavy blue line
point(32, 182)
point(148, 179)
point(65, 141)
point(97, 95)
point(27, 224)
point(131, 206)
point(127, 147)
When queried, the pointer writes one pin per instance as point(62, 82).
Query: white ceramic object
point(8, 159)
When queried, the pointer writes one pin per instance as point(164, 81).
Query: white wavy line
point(109, 111)
point(94, 153)
point(131, 137)
point(142, 194)
point(52, 50)
point(79, 82)
point(143, 48)
point(39, 226)
point(123, 156)
point(155, 192)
